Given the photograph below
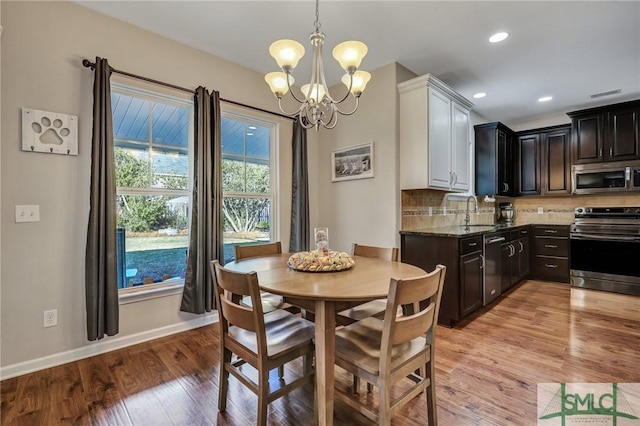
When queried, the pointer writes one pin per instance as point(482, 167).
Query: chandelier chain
point(317, 21)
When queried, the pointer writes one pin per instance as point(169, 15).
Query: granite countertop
point(461, 231)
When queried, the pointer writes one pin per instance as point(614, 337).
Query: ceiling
point(566, 49)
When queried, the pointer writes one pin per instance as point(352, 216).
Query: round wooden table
point(325, 293)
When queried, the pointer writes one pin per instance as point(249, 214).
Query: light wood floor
point(486, 370)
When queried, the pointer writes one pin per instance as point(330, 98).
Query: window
point(248, 169)
point(152, 138)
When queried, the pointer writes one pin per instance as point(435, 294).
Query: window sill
point(133, 295)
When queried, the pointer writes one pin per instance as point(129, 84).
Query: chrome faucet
point(467, 217)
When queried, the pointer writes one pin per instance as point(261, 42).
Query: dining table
point(325, 293)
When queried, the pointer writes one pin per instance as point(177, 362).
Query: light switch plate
point(27, 213)
point(540, 210)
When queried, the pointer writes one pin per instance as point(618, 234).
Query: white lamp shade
point(287, 53)
point(349, 54)
point(360, 80)
point(317, 92)
point(277, 81)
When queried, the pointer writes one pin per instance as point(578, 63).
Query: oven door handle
point(631, 238)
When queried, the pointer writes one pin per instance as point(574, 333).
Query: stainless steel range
point(605, 249)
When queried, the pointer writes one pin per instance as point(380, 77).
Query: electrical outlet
point(540, 210)
point(50, 318)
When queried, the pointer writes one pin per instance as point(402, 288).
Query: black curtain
point(101, 281)
point(205, 236)
point(300, 232)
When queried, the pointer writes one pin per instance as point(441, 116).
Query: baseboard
point(103, 346)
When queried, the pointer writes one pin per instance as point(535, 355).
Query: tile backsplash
point(422, 209)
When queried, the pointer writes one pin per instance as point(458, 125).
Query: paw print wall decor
point(50, 132)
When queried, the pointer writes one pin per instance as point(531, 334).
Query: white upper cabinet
point(435, 136)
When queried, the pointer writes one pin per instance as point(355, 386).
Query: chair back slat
point(400, 329)
point(230, 287)
point(382, 253)
point(255, 250)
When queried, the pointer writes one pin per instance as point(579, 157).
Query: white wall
point(42, 265)
point(365, 211)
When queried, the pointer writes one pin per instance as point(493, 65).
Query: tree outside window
point(246, 182)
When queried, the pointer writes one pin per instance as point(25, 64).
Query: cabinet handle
point(473, 244)
point(551, 246)
point(482, 264)
point(455, 178)
point(548, 265)
point(521, 246)
point(550, 231)
point(600, 152)
point(611, 152)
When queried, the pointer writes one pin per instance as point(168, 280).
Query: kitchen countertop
point(460, 231)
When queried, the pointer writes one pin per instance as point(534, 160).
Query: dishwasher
point(492, 267)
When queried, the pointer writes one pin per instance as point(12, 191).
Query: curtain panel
point(300, 232)
point(101, 282)
point(205, 236)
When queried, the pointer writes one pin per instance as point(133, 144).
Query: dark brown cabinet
point(550, 259)
point(463, 285)
point(470, 283)
point(515, 257)
point(495, 146)
point(609, 133)
point(544, 159)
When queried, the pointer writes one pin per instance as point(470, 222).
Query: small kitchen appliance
point(507, 212)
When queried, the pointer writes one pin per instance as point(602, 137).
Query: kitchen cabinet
point(463, 286)
point(495, 149)
point(471, 288)
point(608, 133)
point(544, 159)
point(515, 257)
point(550, 259)
point(435, 136)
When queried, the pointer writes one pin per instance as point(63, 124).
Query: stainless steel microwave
point(605, 177)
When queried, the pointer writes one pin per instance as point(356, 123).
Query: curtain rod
point(88, 64)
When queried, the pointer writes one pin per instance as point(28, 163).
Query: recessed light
point(498, 37)
point(252, 127)
point(545, 99)
point(249, 134)
point(479, 95)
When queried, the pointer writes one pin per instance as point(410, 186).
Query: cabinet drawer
point(516, 234)
point(471, 244)
point(551, 231)
point(551, 268)
point(558, 247)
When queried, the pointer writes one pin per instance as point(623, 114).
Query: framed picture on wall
point(354, 162)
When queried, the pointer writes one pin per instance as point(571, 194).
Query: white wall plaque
point(50, 132)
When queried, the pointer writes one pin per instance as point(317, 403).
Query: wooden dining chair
point(264, 341)
point(386, 352)
point(374, 308)
point(270, 302)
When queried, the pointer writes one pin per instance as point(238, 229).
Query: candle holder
point(321, 237)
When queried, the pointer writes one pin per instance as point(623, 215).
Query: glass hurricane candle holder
point(321, 237)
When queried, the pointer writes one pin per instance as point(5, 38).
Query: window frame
point(151, 291)
point(250, 117)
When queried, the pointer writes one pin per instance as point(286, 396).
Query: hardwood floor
point(486, 370)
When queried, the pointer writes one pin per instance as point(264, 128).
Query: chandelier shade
point(317, 107)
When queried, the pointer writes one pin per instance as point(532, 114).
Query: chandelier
point(317, 107)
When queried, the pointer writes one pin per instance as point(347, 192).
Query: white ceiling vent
point(609, 93)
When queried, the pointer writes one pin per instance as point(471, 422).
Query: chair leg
point(263, 396)
point(224, 380)
point(307, 364)
point(432, 415)
point(384, 408)
point(356, 384)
